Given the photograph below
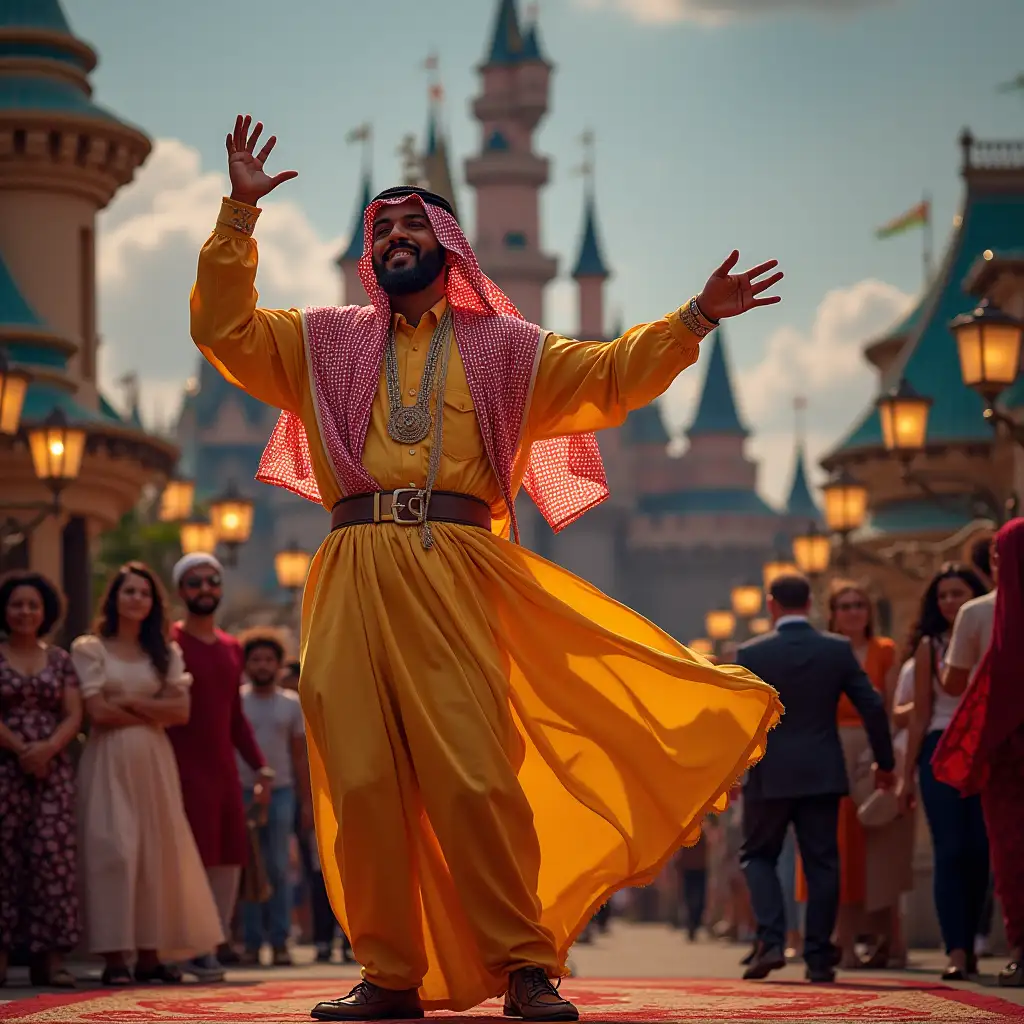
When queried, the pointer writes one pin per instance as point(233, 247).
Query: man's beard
point(414, 278)
point(202, 604)
point(263, 681)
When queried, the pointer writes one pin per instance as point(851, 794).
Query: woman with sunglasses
point(145, 890)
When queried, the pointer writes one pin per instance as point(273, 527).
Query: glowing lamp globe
point(846, 503)
point(231, 515)
point(720, 625)
point(176, 500)
point(57, 449)
point(904, 415)
point(702, 646)
point(746, 601)
point(812, 551)
point(989, 344)
point(197, 535)
point(291, 566)
point(760, 626)
point(772, 570)
point(13, 387)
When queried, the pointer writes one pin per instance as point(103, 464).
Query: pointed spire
point(590, 262)
point(507, 40)
point(532, 49)
point(801, 504)
point(46, 15)
point(717, 412)
point(436, 166)
point(23, 22)
point(354, 251)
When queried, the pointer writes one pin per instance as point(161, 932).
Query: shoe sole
point(553, 1018)
point(764, 970)
point(408, 1015)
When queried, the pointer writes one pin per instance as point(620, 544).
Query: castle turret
point(64, 158)
point(436, 164)
point(590, 274)
point(801, 507)
point(348, 261)
point(507, 175)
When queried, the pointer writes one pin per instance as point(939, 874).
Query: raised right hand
point(249, 182)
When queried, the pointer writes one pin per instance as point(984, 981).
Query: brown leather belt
point(404, 507)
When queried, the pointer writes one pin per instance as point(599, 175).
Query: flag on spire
point(361, 133)
point(916, 217)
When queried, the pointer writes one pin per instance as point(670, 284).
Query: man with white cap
point(205, 746)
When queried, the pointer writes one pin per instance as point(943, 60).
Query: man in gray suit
point(803, 774)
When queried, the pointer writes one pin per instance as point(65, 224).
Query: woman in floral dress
point(40, 714)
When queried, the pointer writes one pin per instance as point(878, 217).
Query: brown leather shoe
point(532, 996)
point(370, 1002)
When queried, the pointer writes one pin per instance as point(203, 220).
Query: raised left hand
point(36, 758)
point(727, 294)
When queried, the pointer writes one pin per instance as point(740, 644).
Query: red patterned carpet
point(601, 1002)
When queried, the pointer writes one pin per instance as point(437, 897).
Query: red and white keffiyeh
point(565, 475)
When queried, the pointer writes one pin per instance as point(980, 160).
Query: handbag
point(255, 884)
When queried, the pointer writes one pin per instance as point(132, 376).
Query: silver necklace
point(410, 424)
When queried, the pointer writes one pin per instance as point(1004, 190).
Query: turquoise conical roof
point(46, 15)
point(25, 336)
point(356, 238)
point(717, 413)
point(801, 504)
point(990, 218)
point(590, 262)
point(645, 426)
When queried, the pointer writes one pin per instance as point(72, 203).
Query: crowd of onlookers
point(154, 793)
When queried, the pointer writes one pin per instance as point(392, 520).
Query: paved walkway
point(627, 951)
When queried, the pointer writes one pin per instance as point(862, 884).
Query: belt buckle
point(409, 499)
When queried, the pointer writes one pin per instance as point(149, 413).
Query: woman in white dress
point(144, 886)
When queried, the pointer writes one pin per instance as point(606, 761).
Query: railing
point(994, 155)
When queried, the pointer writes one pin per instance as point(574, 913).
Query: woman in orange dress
point(875, 864)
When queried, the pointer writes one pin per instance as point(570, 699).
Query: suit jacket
point(811, 670)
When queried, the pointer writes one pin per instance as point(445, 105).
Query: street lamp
point(291, 566)
point(702, 646)
point(989, 343)
point(56, 449)
point(775, 568)
point(231, 515)
point(758, 627)
point(197, 535)
point(720, 625)
point(904, 415)
point(176, 500)
point(746, 600)
point(846, 503)
point(812, 551)
point(13, 388)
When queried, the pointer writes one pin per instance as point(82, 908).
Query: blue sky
point(789, 133)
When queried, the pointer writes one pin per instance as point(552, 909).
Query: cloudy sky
point(786, 128)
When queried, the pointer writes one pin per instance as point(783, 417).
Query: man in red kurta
point(205, 747)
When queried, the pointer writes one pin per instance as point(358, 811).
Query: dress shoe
point(1012, 975)
point(820, 975)
point(532, 996)
point(750, 957)
point(370, 1002)
point(766, 961)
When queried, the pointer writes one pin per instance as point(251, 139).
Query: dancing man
point(495, 746)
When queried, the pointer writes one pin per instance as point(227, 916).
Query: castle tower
point(801, 508)
point(354, 294)
point(507, 175)
point(64, 158)
point(717, 435)
point(590, 272)
point(436, 164)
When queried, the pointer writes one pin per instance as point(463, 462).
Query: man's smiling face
point(407, 256)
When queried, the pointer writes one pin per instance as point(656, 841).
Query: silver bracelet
point(694, 320)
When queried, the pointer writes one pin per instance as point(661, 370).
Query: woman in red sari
point(983, 746)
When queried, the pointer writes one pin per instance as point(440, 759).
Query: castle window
point(496, 143)
point(515, 240)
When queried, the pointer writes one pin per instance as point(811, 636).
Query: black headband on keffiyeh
point(408, 190)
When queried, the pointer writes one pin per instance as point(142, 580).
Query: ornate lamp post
point(813, 552)
point(176, 500)
point(291, 566)
point(13, 387)
point(989, 344)
point(720, 626)
point(904, 415)
point(746, 600)
point(231, 515)
point(197, 534)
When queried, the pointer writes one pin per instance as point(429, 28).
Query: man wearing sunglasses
point(205, 746)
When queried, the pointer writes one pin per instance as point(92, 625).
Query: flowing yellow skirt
point(495, 748)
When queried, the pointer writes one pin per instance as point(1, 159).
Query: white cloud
point(824, 364)
point(718, 12)
point(148, 242)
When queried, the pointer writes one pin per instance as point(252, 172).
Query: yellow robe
point(495, 746)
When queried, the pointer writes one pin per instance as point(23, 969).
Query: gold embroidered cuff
point(237, 216)
point(694, 320)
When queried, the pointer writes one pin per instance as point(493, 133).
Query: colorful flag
point(360, 133)
point(916, 217)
